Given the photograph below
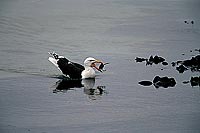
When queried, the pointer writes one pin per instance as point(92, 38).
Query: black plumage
point(71, 69)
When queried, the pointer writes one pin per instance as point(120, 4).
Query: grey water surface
point(115, 31)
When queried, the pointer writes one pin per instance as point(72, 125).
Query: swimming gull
point(74, 70)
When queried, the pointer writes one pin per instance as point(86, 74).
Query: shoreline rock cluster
point(152, 60)
point(192, 64)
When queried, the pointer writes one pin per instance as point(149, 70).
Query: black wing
point(73, 70)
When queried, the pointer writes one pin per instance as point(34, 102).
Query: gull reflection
point(93, 93)
point(88, 85)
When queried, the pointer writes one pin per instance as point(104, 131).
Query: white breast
point(88, 73)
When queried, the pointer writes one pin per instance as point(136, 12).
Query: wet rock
point(154, 60)
point(173, 64)
point(186, 82)
point(164, 82)
point(195, 61)
point(195, 81)
point(189, 22)
point(165, 63)
point(198, 50)
point(181, 68)
point(160, 82)
point(193, 64)
point(138, 59)
point(145, 83)
point(186, 22)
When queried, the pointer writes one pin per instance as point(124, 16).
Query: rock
point(186, 22)
point(164, 63)
point(138, 59)
point(195, 81)
point(158, 59)
point(164, 82)
point(186, 82)
point(173, 64)
point(154, 60)
point(197, 50)
point(156, 79)
point(195, 61)
point(145, 83)
point(193, 64)
point(160, 82)
point(181, 68)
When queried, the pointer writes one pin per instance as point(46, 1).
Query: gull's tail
point(54, 58)
point(54, 54)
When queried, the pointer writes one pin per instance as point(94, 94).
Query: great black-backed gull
point(75, 70)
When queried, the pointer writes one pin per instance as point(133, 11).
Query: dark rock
point(179, 62)
point(149, 63)
point(152, 60)
point(156, 60)
point(164, 63)
point(186, 22)
point(173, 64)
point(181, 68)
point(186, 82)
point(156, 79)
point(138, 59)
point(193, 64)
point(195, 81)
point(197, 50)
point(164, 82)
point(195, 61)
point(145, 83)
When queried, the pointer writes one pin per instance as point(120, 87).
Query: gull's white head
point(91, 62)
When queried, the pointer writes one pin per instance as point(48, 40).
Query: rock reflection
point(88, 85)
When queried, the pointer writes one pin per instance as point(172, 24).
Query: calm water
point(115, 31)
